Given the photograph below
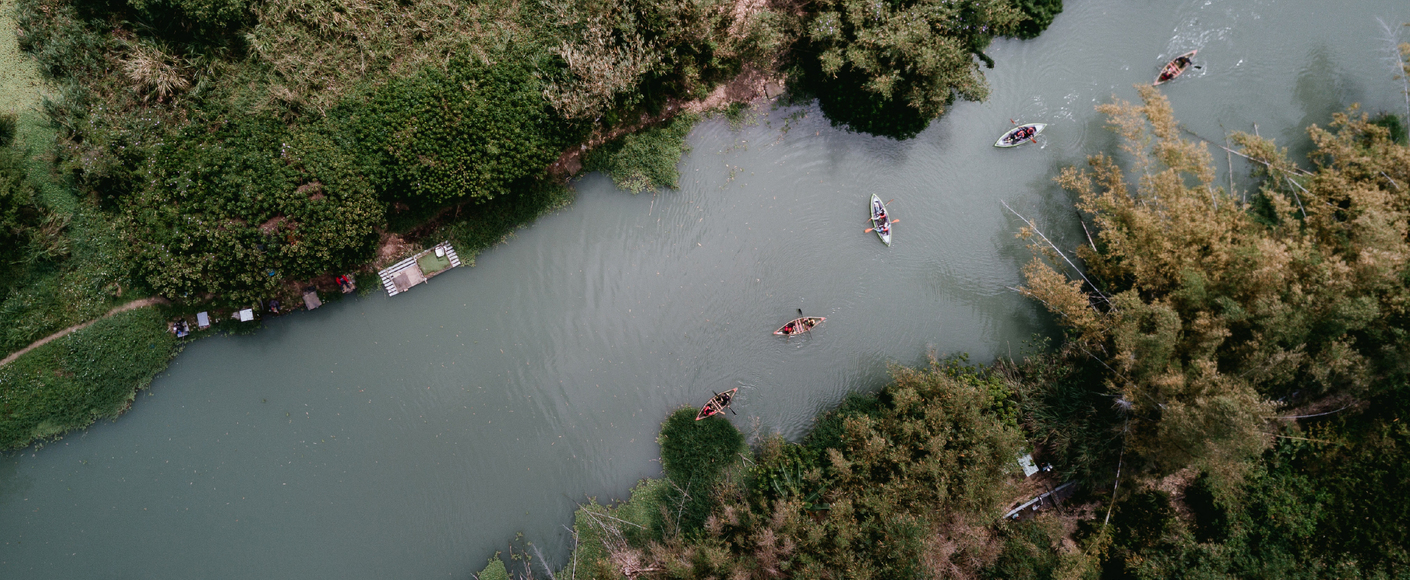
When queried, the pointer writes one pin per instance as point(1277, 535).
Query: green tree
point(235, 207)
point(468, 132)
point(1039, 13)
point(889, 68)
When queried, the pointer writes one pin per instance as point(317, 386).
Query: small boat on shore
point(799, 325)
point(717, 404)
point(1175, 68)
point(1018, 135)
point(880, 220)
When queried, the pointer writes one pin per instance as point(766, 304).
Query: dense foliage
point(19, 212)
point(1314, 507)
point(888, 486)
point(889, 68)
point(644, 160)
point(82, 377)
point(1040, 15)
point(1207, 310)
point(235, 206)
point(469, 131)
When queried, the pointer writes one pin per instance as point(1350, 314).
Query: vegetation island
point(1226, 400)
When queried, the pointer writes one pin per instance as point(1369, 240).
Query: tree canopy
point(889, 68)
point(1208, 310)
point(466, 132)
point(235, 207)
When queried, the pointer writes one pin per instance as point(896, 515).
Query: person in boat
point(1174, 68)
point(788, 328)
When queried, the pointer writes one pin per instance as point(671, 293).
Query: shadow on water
point(1320, 91)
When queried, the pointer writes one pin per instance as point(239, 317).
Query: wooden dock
point(402, 275)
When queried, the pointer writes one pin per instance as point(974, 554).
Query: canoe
point(879, 217)
point(1012, 139)
point(799, 325)
point(1175, 68)
point(717, 404)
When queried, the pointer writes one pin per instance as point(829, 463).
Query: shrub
point(469, 132)
point(19, 213)
point(876, 70)
point(646, 159)
point(694, 454)
point(1040, 15)
point(235, 206)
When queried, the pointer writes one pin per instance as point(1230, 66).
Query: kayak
point(717, 404)
point(1018, 135)
point(1175, 68)
point(880, 220)
point(798, 325)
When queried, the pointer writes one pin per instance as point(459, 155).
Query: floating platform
point(425, 265)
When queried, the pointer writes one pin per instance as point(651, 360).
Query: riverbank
point(137, 195)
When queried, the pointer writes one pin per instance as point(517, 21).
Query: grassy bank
point(82, 377)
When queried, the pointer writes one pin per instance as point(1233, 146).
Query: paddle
point(869, 230)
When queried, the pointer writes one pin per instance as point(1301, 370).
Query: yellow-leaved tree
point(1209, 313)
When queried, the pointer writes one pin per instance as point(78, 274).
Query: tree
point(889, 68)
point(468, 132)
point(1039, 13)
point(235, 207)
point(1206, 309)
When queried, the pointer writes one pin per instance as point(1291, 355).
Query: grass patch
point(80, 378)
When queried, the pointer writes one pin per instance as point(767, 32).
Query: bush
point(469, 132)
point(694, 454)
point(1394, 124)
point(82, 377)
point(235, 206)
point(646, 159)
point(19, 213)
point(876, 70)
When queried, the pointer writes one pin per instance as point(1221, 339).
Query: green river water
point(411, 437)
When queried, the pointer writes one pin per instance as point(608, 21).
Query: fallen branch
point(1035, 229)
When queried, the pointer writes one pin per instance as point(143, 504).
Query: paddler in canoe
point(1018, 135)
point(717, 404)
point(882, 220)
point(798, 325)
point(1175, 68)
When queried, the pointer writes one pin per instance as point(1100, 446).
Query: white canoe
point(879, 216)
point(1010, 138)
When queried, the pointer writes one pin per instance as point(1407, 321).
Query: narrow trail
point(135, 304)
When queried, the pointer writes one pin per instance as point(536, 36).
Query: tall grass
point(80, 378)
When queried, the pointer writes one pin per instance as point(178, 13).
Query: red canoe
point(798, 325)
point(717, 404)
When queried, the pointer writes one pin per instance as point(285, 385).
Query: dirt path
point(135, 304)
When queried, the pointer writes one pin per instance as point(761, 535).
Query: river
point(411, 437)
